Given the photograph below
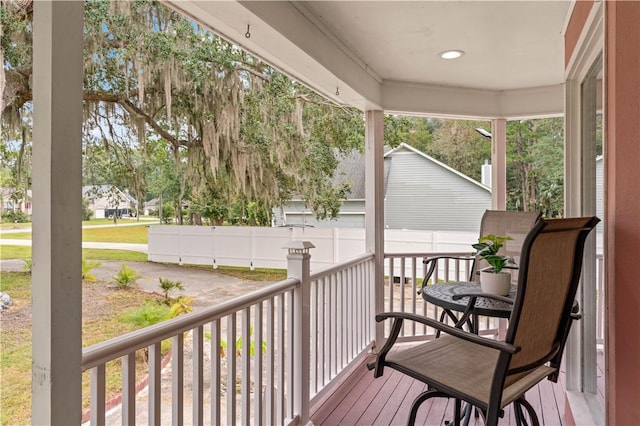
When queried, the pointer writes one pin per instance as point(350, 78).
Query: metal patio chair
point(491, 374)
point(514, 224)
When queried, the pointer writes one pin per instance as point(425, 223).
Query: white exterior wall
point(422, 194)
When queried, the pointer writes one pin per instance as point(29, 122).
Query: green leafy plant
point(487, 248)
point(88, 265)
point(148, 314)
point(28, 264)
point(167, 287)
point(126, 277)
point(182, 305)
point(252, 345)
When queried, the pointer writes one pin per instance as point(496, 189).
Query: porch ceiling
point(384, 54)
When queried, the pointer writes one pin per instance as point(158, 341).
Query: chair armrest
point(512, 266)
point(432, 262)
point(453, 331)
point(486, 295)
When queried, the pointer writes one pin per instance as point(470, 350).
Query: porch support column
point(499, 164)
point(57, 179)
point(374, 207)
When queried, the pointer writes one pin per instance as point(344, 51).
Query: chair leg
point(457, 412)
point(442, 315)
point(419, 400)
point(518, 405)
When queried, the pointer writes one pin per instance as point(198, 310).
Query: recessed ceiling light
point(451, 54)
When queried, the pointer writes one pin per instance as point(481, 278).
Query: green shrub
point(167, 287)
point(148, 314)
point(87, 213)
point(15, 217)
point(88, 265)
point(28, 264)
point(252, 344)
point(182, 305)
point(126, 277)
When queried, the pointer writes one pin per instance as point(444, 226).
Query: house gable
point(423, 193)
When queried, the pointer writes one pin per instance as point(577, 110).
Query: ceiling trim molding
point(458, 102)
point(589, 44)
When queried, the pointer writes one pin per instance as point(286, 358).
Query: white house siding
point(295, 213)
point(420, 194)
point(424, 194)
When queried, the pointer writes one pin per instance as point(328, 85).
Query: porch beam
point(499, 164)
point(57, 180)
point(374, 207)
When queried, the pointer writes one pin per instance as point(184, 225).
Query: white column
point(57, 180)
point(374, 206)
point(299, 266)
point(499, 164)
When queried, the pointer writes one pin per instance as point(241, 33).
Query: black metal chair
point(491, 374)
point(515, 224)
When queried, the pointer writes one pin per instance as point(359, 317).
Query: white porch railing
point(403, 278)
point(216, 378)
point(405, 271)
point(241, 383)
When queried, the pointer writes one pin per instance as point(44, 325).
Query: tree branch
point(132, 109)
point(251, 71)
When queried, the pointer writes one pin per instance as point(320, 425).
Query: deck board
point(362, 400)
point(329, 404)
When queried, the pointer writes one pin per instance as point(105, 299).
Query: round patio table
point(442, 295)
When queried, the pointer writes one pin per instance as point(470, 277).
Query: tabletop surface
point(442, 295)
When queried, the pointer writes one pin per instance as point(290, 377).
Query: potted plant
point(493, 279)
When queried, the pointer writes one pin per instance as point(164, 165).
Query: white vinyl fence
point(260, 247)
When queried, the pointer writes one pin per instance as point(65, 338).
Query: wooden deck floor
point(362, 400)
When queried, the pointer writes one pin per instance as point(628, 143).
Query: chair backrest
point(550, 267)
point(505, 223)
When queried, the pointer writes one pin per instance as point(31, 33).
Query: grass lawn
point(23, 252)
point(125, 234)
point(258, 274)
point(102, 320)
point(10, 225)
point(27, 225)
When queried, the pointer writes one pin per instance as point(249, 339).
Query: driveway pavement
point(207, 287)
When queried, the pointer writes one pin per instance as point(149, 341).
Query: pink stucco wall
point(622, 170)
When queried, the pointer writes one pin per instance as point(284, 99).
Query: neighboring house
point(423, 193)
point(151, 205)
point(350, 170)
point(14, 200)
point(420, 193)
point(109, 201)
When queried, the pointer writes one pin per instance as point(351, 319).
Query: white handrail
point(122, 345)
point(325, 272)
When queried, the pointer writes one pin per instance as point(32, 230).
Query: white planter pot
point(493, 283)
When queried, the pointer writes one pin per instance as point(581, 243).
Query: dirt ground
point(207, 287)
